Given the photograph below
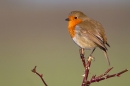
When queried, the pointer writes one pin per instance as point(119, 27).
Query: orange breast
point(71, 31)
point(71, 27)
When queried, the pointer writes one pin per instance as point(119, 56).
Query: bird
point(87, 33)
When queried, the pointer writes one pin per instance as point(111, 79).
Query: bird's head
point(76, 17)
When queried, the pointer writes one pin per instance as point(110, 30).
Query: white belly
point(84, 42)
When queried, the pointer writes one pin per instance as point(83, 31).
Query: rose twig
point(40, 75)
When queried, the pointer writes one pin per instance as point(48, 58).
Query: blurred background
point(34, 32)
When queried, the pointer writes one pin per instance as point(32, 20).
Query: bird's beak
point(67, 19)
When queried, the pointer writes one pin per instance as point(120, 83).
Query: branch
point(83, 60)
point(87, 67)
point(103, 76)
point(40, 75)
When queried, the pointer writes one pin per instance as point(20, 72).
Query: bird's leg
point(92, 52)
point(81, 51)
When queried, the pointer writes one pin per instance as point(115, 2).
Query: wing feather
point(96, 39)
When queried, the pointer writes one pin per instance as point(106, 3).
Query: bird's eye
point(75, 17)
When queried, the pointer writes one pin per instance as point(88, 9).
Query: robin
point(87, 33)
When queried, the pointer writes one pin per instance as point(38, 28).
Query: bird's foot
point(90, 58)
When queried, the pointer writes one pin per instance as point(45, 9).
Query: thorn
point(41, 75)
point(83, 75)
point(83, 83)
point(88, 68)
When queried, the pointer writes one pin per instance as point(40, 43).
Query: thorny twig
point(87, 65)
point(86, 73)
point(40, 75)
point(104, 76)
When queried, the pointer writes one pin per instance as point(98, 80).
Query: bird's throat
point(71, 28)
point(71, 31)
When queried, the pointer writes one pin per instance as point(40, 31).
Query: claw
point(90, 58)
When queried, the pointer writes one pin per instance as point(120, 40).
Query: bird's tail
point(105, 53)
point(107, 44)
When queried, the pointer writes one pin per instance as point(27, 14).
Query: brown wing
point(95, 32)
point(97, 39)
